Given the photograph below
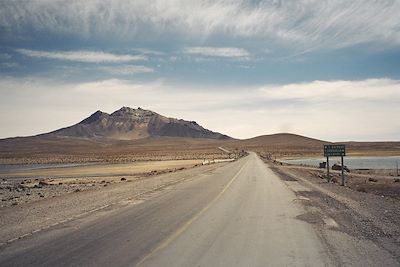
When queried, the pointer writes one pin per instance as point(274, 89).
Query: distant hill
point(131, 124)
point(281, 145)
point(282, 139)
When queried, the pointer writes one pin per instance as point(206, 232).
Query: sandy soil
point(22, 187)
point(378, 182)
point(33, 150)
point(103, 169)
point(40, 207)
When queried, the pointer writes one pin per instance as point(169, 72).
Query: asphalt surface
point(240, 214)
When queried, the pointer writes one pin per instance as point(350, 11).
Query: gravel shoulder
point(358, 226)
point(75, 198)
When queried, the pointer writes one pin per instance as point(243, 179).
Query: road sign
point(334, 150)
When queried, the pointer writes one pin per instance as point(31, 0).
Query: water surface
point(352, 162)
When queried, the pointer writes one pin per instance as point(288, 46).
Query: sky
point(324, 69)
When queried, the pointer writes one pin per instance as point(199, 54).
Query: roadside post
point(335, 151)
point(327, 169)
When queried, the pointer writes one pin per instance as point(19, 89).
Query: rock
point(37, 186)
point(123, 179)
point(77, 190)
point(372, 180)
point(21, 186)
point(43, 183)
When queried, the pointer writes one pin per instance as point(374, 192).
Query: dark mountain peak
point(94, 117)
point(131, 112)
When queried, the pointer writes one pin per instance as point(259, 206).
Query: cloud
point(329, 91)
point(9, 65)
point(226, 52)
point(126, 69)
point(5, 56)
point(82, 56)
point(146, 51)
point(303, 24)
point(330, 110)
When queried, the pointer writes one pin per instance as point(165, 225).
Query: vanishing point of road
point(240, 214)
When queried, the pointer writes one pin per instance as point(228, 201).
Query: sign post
point(327, 169)
point(334, 151)
point(342, 172)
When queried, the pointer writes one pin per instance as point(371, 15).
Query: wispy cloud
point(9, 65)
point(310, 24)
point(126, 69)
point(226, 52)
point(146, 51)
point(82, 56)
point(5, 56)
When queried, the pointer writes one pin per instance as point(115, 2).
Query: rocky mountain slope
point(130, 124)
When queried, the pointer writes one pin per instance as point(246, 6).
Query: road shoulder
point(357, 228)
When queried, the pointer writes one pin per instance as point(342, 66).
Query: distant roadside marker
point(334, 151)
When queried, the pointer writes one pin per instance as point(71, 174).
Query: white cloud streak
point(226, 52)
point(82, 56)
point(126, 69)
point(309, 24)
point(331, 110)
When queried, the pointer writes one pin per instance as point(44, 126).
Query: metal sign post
point(342, 172)
point(335, 151)
point(327, 170)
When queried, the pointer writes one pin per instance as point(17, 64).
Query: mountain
point(131, 124)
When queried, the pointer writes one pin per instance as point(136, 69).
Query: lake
point(352, 162)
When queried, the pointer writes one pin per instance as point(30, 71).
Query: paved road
point(241, 214)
